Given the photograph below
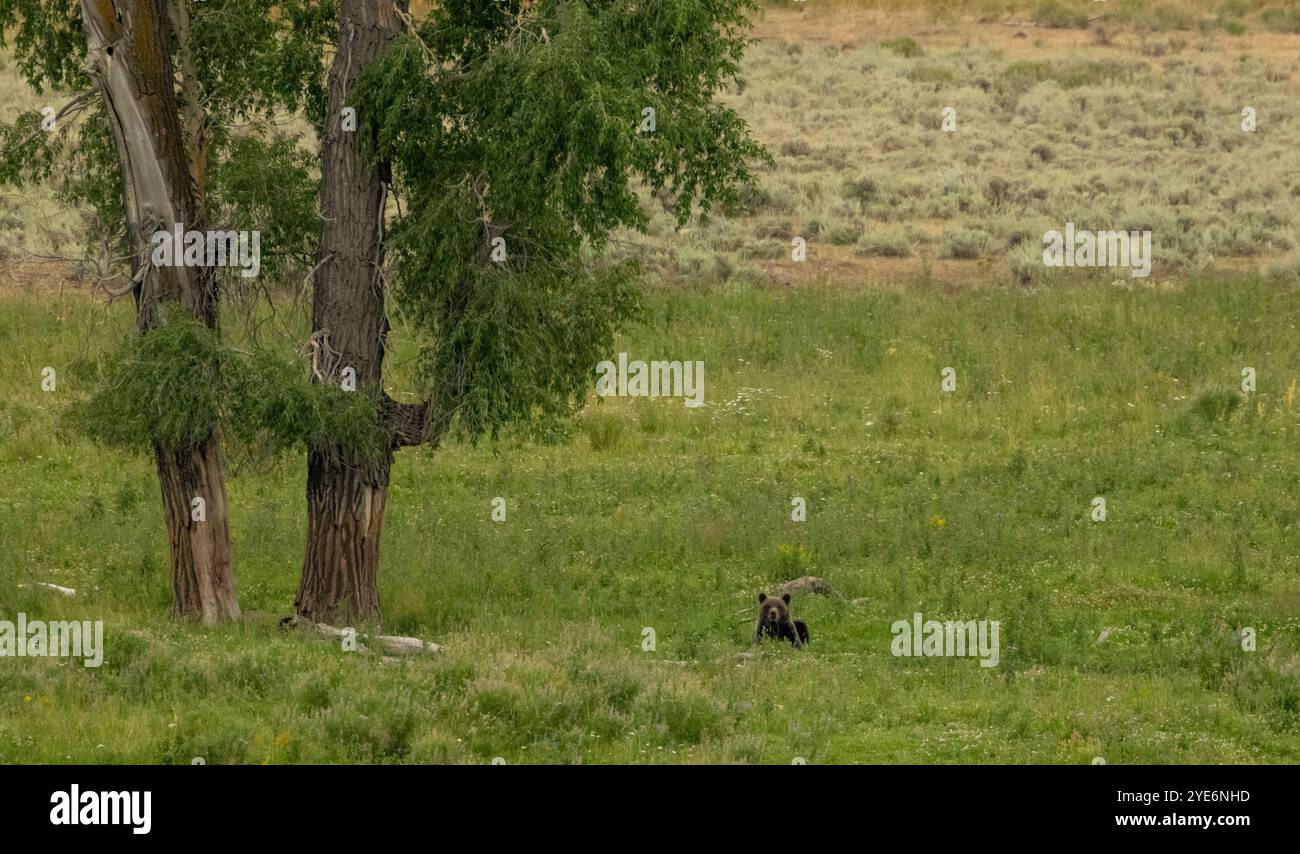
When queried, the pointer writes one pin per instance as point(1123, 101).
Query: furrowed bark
point(346, 494)
point(203, 581)
point(127, 57)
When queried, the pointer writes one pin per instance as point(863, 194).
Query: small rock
point(807, 584)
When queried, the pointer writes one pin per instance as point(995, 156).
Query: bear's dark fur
point(774, 621)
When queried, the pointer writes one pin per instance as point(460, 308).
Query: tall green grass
point(647, 514)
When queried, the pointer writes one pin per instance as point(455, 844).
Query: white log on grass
point(66, 591)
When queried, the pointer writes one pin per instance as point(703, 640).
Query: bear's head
point(773, 611)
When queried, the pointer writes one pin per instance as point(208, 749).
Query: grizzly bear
point(774, 621)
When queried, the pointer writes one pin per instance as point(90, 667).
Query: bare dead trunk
point(127, 56)
point(346, 496)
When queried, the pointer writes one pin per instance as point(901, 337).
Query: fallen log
point(388, 644)
point(66, 591)
point(400, 645)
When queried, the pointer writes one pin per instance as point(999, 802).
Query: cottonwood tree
point(128, 59)
point(515, 136)
point(162, 83)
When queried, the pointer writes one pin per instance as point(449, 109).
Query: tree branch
point(414, 424)
point(78, 102)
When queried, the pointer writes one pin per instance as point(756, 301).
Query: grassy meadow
point(971, 504)
point(1119, 638)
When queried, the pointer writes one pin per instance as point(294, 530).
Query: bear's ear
point(762, 597)
point(786, 598)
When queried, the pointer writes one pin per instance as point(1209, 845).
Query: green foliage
point(1281, 20)
point(603, 431)
point(524, 123)
point(1233, 27)
point(1025, 74)
point(904, 46)
point(252, 65)
point(885, 243)
point(1216, 405)
point(1054, 13)
point(510, 345)
point(48, 41)
point(963, 243)
point(160, 387)
point(177, 382)
point(927, 73)
point(254, 61)
point(270, 404)
point(864, 191)
point(269, 184)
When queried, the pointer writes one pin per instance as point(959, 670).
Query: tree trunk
point(345, 515)
point(346, 496)
point(127, 56)
point(203, 583)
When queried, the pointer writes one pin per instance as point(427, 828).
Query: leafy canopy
point(523, 122)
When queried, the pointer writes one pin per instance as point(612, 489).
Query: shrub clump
point(963, 243)
point(1053, 13)
point(904, 47)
